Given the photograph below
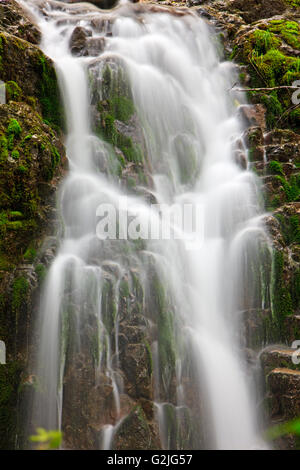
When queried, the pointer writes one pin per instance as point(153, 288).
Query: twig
point(283, 87)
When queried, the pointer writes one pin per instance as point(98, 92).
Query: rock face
point(103, 4)
point(264, 39)
point(32, 158)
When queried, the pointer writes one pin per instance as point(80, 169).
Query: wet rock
point(253, 115)
point(15, 21)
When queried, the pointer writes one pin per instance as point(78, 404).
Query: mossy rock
point(115, 121)
point(271, 49)
point(9, 382)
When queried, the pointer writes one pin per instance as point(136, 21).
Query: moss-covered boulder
point(30, 76)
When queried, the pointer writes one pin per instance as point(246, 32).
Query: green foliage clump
point(262, 41)
point(290, 228)
point(166, 339)
point(14, 128)
point(273, 106)
point(275, 168)
point(289, 427)
point(122, 108)
point(291, 188)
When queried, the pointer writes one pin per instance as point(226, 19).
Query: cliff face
point(263, 37)
point(32, 157)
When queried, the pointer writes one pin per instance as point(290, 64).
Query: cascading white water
point(180, 90)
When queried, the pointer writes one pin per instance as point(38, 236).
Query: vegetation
point(47, 440)
point(271, 66)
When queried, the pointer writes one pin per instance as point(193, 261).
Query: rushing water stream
point(185, 295)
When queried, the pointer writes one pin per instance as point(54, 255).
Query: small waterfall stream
point(176, 301)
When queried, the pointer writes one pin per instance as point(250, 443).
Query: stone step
point(279, 357)
point(283, 393)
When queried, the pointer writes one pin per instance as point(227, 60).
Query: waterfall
point(111, 306)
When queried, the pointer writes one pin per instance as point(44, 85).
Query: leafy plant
point(290, 427)
point(47, 440)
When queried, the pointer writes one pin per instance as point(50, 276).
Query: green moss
point(15, 154)
point(13, 131)
point(41, 272)
point(14, 128)
point(22, 169)
point(270, 66)
point(117, 105)
point(9, 383)
point(273, 106)
point(30, 254)
point(293, 3)
point(13, 91)
point(287, 30)
point(275, 168)
point(15, 215)
point(263, 41)
point(122, 108)
point(295, 291)
point(48, 171)
point(281, 298)
point(290, 228)
point(291, 188)
point(3, 149)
